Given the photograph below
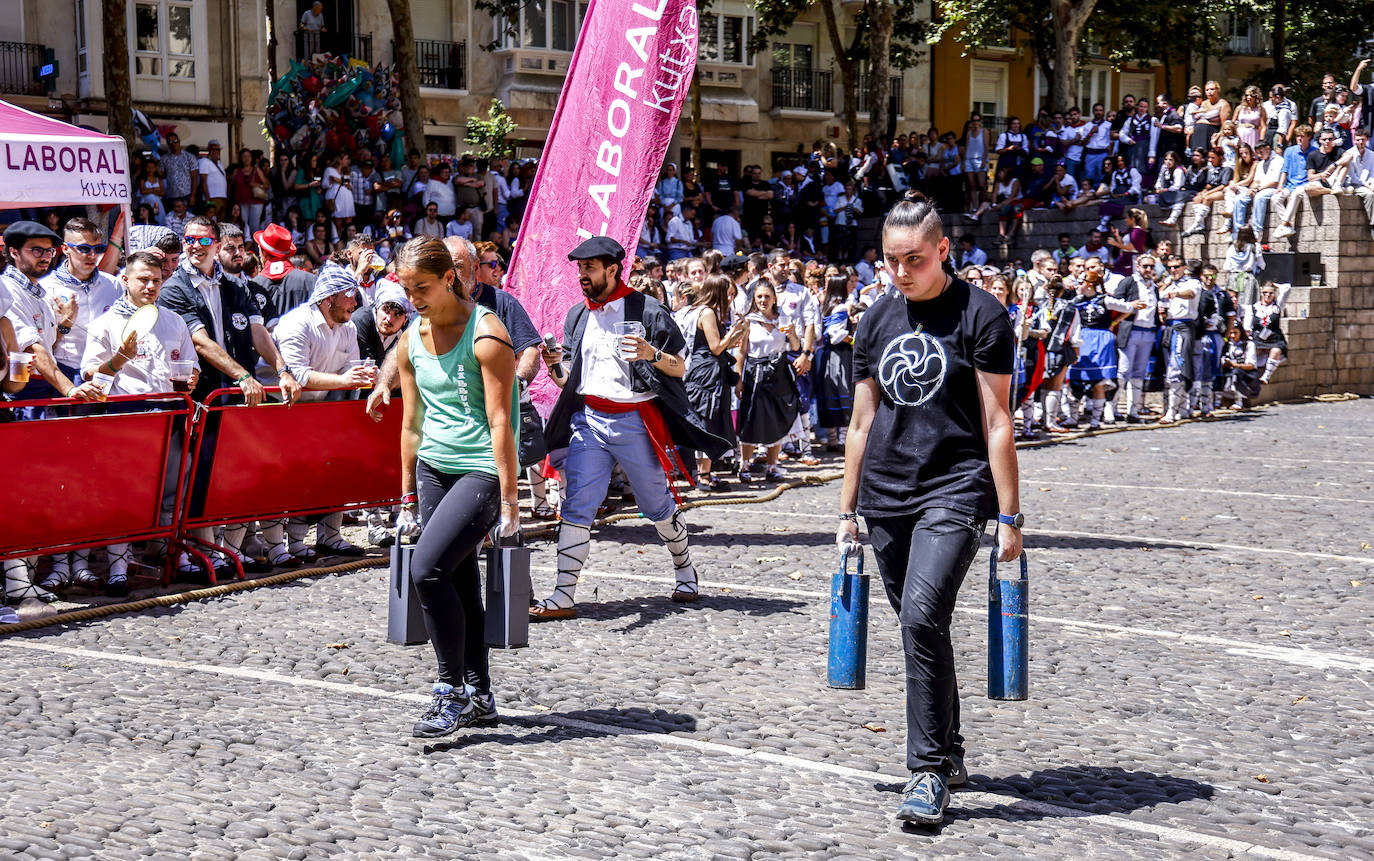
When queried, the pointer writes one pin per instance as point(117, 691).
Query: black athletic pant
point(457, 511)
point(923, 558)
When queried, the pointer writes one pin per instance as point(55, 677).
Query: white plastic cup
point(104, 381)
point(367, 365)
point(21, 366)
point(181, 372)
point(1316, 280)
point(625, 330)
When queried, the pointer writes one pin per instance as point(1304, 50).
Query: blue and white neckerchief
point(198, 277)
point(64, 274)
point(123, 307)
point(23, 281)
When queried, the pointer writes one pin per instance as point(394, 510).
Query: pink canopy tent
point(46, 162)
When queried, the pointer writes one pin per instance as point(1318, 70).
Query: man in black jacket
point(227, 328)
point(623, 401)
point(226, 323)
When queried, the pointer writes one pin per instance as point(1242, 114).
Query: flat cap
point(22, 231)
point(598, 246)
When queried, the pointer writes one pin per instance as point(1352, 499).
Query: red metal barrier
point(274, 461)
point(90, 480)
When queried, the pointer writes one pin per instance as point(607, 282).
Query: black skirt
point(834, 385)
point(769, 404)
point(710, 381)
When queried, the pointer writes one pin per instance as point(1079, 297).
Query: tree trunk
point(119, 99)
point(408, 71)
point(1070, 17)
point(879, 68)
point(849, 81)
point(1280, 40)
point(695, 94)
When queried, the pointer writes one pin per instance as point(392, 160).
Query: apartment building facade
point(206, 67)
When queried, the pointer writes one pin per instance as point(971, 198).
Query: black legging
point(457, 510)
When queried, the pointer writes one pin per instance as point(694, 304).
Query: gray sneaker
point(483, 707)
point(958, 775)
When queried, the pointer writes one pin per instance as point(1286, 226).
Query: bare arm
point(47, 367)
point(994, 391)
point(498, 377)
point(209, 350)
point(413, 412)
point(860, 419)
point(267, 348)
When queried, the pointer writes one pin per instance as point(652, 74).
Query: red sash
point(659, 435)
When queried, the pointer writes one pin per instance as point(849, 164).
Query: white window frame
point(506, 42)
point(161, 84)
point(747, 33)
point(1003, 73)
point(1098, 77)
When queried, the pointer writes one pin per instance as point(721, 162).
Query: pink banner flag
point(620, 105)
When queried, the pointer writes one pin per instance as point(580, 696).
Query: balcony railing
point(355, 45)
point(442, 64)
point(894, 95)
point(804, 90)
point(17, 60)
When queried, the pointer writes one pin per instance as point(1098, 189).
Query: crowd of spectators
point(767, 276)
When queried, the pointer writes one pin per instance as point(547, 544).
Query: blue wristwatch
point(1012, 519)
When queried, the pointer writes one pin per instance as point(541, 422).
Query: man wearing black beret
point(623, 401)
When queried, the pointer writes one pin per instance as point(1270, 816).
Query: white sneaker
point(1283, 231)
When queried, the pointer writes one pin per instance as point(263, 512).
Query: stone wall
point(1330, 327)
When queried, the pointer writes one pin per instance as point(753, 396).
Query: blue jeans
point(1262, 199)
point(1092, 167)
point(1074, 166)
point(599, 442)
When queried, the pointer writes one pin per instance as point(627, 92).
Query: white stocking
point(574, 542)
point(674, 535)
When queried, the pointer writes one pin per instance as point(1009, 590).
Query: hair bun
point(912, 195)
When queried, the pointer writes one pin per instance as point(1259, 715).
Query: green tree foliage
point(489, 135)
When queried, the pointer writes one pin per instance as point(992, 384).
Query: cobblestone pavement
point(1201, 669)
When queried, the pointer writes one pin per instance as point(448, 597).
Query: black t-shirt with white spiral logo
point(926, 447)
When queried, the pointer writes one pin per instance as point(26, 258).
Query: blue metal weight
point(1008, 632)
point(848, 625)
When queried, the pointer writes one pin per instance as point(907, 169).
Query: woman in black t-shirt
point(932, 376)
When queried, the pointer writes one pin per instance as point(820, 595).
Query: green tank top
point(454, 436)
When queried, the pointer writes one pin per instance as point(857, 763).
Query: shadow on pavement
point(556, 727)
point(1086, 790)
point(654, 609)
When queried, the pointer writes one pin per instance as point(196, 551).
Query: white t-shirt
point(93, 299)
point(725, 232)
point(798, 306)
point(442, 195)
point(216, 183)
point(604, 373)
point(312, 22)
point(1102, 253)
point(150, 370)
point(763, 342)
point(458, 228)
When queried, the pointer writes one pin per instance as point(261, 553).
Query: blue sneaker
point(924, 799)
point(483, 706)
point(451, 711)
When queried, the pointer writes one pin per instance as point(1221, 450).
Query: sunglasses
point(88, 249)
point(202, 241)
point(494, 264)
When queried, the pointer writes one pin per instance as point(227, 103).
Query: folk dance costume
point(1241, 379)
point(1182, 299)
point(1135, 339)
point(1029, 369)
point(1058, 317)
point(1097, 358)
point(613, 411)
point(1214, 312)
point(1264, 323)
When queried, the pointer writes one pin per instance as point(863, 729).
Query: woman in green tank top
point(458, 468)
